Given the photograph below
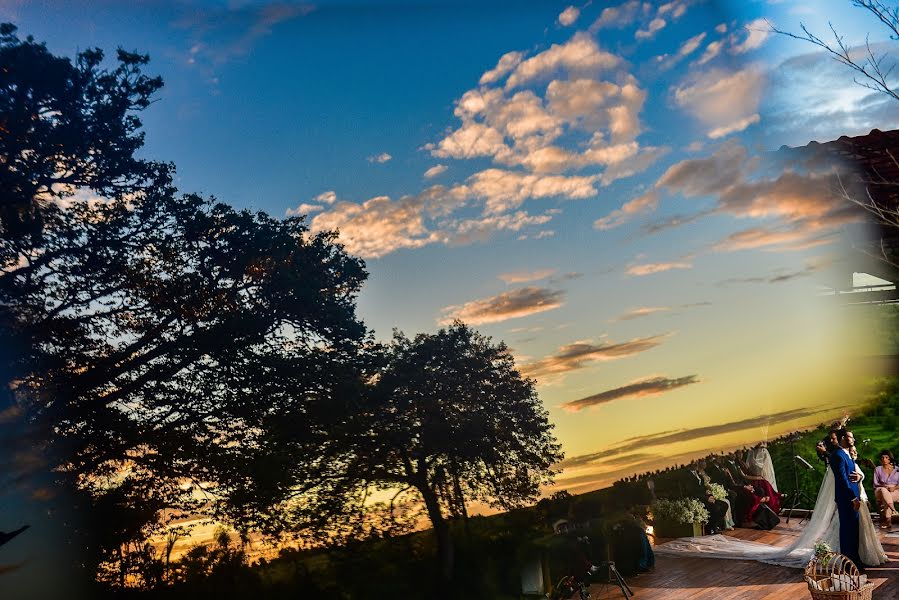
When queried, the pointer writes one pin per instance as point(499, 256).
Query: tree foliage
point(180, 340)
point(449, 417)
point(66, 125)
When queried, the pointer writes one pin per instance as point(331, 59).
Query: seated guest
point(762, 486)
point(741, 498)
point(717, 508)
point(886, 487)
point(759, 459)
point(757, 502)
point(718, 473)
point(762, 506)
point(711, 473)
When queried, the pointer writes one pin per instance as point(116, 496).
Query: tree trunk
point(460, 498)
point(444, 540)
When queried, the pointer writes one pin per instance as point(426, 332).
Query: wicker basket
point(834, 577)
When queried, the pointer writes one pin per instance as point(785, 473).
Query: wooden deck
point(676, 578)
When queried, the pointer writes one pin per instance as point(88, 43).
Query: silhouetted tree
point(66, 125)
point(174, 340)
point(450, 417)
point(159, 340)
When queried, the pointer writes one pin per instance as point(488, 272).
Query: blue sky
point(505, 162)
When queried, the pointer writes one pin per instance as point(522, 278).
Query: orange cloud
point(579, 355)
point(644, 387)
point(642, 204)
point(508, 305)
point(527, 276)
point(651, 268)
point(643, 311)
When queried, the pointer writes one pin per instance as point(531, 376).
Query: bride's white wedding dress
point(824, 526)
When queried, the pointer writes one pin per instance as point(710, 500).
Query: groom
point(846, 494)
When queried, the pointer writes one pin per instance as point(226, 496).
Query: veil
point(796, 554)
point(760, 460)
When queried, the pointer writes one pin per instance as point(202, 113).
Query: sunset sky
point(578, 181)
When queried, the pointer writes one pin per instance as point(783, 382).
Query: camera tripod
point(799, 496)
point(614, 577)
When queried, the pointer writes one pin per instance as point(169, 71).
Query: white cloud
point(569, 16)
point(379, 226)
point(724, 101)
point(504, 190)
point(507, 62)
point(471, 141)
point(304, 209)
point(473, 230)
point(687, 48)
point(640, 205)
point(756, 33)
point(654, 27)
point(527, 276)
point(575, 99)
point(652, 268)
point(639, 163)
point(691, 45)
point(434, 171)
point(594, 105)
point(328, 197)
point(740, 125)
point(598, 120)
point(379, 158)
point(580, 54)
point(617, 16)
point(640, 312)
point(676, 8)
point(711, 51)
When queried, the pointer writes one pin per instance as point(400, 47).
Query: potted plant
point(678, 518)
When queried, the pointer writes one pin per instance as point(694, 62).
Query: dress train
point(824, 526)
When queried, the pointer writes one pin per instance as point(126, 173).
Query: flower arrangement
point(717, 491)
point(685, 510)
point(822, 549)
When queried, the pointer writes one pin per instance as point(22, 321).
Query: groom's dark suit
point(845, 492)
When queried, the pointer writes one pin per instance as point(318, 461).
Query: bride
point(824, 526)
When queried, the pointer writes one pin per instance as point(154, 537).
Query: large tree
point(166, 340)
point(449, 417)
point(161, 351)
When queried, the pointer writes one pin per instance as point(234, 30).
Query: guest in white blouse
point(886, 487)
